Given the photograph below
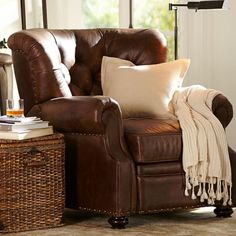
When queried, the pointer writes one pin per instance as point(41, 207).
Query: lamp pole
point(176, 33)
point(130, 14)
point(44, 8)
point(174, 7)
point(23, 16)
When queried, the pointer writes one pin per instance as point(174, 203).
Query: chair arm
point(96, 151)
point(77, 114)
point(222, 109)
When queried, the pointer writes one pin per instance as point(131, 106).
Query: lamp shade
point(210, 4)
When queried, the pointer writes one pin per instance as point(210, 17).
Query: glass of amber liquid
point(15, 107)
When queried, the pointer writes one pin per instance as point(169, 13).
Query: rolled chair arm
point(222, 109)
point(77, 114)
point(96, 150)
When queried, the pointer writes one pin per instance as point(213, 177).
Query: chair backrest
point(55, 63)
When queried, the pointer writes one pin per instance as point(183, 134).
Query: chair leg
point(118, 222)
point(223, 211)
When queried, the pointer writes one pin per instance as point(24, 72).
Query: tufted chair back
point(56, 63)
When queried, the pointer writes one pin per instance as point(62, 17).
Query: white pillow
point(144, 90)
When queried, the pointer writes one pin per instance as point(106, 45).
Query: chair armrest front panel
point(97, 157)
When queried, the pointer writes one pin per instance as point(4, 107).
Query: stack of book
point(19, 128)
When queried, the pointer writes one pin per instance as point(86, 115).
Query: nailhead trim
point(171, 209)
point(87, 134)
point(106, 212)
point(140, 212)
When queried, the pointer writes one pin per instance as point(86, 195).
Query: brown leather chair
point(114, 166)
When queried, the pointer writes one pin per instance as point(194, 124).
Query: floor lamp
point(197, 5)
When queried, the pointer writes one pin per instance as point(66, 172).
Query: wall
point(10, 17)
point(208, 39)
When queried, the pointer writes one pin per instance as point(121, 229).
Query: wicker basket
point(31, 183)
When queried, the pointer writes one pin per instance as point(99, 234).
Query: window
point(155, 14)
point(100, 13)
point(146, 14)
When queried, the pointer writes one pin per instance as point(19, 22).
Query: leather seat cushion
point(153, 140)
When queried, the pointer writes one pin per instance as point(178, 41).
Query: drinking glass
point(15, 107)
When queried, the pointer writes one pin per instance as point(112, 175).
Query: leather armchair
point(113, 166)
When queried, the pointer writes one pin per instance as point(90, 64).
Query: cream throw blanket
point(205, 150)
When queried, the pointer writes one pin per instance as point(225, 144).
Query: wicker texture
point(31, 183)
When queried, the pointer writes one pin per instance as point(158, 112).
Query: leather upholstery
point(153, 140)
point(173, 167)
point(77, 114)
point(113, 166)
point(222, 109)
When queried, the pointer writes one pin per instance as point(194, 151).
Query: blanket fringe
point(217, 190)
